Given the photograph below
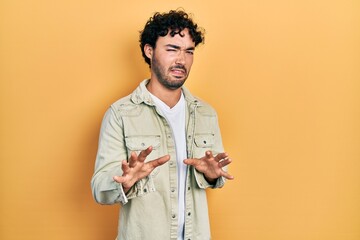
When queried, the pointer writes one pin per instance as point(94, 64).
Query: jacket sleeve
point(111, 151)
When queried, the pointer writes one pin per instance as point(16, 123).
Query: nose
point(180, 58)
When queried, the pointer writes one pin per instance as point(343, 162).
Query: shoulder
point(120, 103)
point(125, 107)
point(204, 108)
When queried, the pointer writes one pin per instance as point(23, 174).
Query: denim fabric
point(149, 209)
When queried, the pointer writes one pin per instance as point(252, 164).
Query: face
point(171, 59)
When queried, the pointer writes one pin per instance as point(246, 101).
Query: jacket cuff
point(203, 183)
point(141, 187)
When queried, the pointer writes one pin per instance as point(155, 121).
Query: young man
point(160, 147)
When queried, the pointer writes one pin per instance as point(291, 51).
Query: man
point(160, 147)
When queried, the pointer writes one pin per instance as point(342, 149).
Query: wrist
point(210, 180)
point(126, 187)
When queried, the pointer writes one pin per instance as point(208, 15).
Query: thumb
point(191, 161)
point(118, 179)
point(159, 161)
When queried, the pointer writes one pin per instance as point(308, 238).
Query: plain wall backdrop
point(284, 77)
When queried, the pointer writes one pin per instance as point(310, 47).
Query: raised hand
point(211, 166)
point(136, 168)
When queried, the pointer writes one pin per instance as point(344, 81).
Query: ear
point(148, 50)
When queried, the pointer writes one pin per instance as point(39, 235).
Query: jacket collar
point(142, 95)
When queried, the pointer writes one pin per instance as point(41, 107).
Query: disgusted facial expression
point(172, 58)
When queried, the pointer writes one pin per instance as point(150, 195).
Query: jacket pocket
point(203, 142)
point(139, 143)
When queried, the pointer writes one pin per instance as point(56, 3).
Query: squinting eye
point(190, 52)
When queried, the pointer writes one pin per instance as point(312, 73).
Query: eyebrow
point(178, 47)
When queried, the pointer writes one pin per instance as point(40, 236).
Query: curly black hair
point(161, 23)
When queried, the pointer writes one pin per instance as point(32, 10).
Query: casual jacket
point(149, 209)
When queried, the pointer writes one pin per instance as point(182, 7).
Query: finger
point(209, 154)
point(125, 166)
point(144, 153)
point(192, 162)
point(133, 159)
point(221, 156)
point(159, 161)
point(225, 162)
point(119, 179)
point(227, 175)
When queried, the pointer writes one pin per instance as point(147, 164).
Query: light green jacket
point(149, 209)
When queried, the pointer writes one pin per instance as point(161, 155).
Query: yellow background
point(283, 75)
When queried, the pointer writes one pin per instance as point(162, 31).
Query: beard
point(165, 79)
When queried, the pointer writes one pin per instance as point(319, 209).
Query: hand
point(136, 168)
point(211, 166)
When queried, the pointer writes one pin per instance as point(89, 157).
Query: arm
point(111, 150)
point(114, 176)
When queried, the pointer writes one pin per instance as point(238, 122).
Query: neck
point(169, 96)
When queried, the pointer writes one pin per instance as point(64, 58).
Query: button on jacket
point(150, 208)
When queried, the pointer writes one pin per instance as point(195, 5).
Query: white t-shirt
point(176, 118)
